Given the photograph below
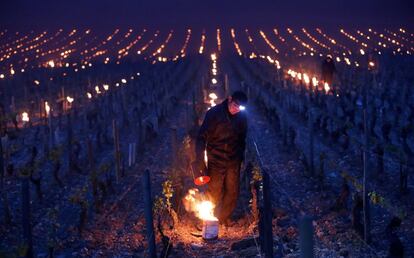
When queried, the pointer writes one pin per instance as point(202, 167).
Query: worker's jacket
point(223, 136)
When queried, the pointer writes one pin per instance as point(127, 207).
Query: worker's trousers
point(223, 189)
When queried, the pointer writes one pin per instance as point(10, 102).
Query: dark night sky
point(207, 13)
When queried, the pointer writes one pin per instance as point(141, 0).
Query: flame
point(326, 86)
point(213, 95)
point(278, 65)
point(315, 81)
point(206, 211)
point(47, 108)
point(51, 63)
point(195, 202)
point(69, 99)
point(306, 78)
point(25, 117)
point(213, 98)
point(213, 57)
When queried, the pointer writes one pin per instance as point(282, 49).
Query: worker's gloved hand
point(200, 173)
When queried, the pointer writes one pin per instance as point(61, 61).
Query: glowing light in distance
point(25, 117)
point(213, 95)
point(69, 99)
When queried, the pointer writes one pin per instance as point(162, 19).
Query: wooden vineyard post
point(311, 141)
point(403, 167)
point(366, 206)
point(12, 105)
point(131, 153)
point(69, 143)
point(134, 153)
point(41, 108)
point(226, 85)
point(62, 95)
point(26, 217)
point(243, 87)
point(366, 210)
point(278, 74)
point(265, 218)
point(93, 173)
point(130, 146)
point(306, 238)
point(123, 103)
point(1, 164)
point(51, 137)
point(141, 134)
point(6, 207)
point(311, 144)
point(117, 154)
point(148, 214)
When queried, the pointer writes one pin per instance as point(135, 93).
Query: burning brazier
point(204, 210)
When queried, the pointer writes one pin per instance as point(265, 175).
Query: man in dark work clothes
point(328, 70)
point(223, 136)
